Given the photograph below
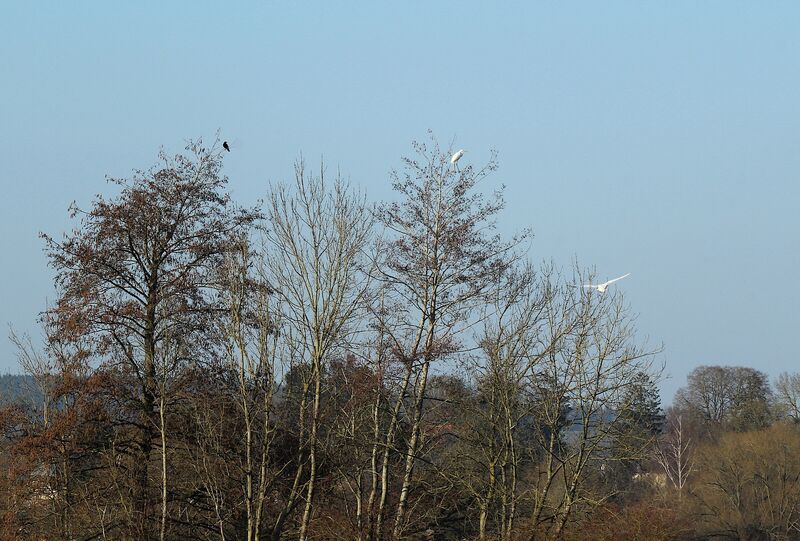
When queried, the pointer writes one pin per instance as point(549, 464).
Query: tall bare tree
point(317, 234)
point(580, 376)
point(512, 314)
point(441, 256)
point(249, 332)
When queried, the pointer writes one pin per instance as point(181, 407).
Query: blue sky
point(657, 138)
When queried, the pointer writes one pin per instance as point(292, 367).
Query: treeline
point(18, 388)
point(321, 367)
point(727, 464)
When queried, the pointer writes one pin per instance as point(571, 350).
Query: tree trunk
point(163, 426)
point(486, 503)
point(388, 444)
point(312, 471)
point(373, 492)
point(419, 397)
point(149, 422)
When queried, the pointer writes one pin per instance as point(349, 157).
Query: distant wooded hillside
point(16, 388)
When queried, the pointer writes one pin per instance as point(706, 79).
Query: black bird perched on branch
point(225, 146)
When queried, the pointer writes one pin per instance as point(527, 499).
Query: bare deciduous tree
point(675, 455)
point(734, 396)
point(787, 396)
point(579, 380)
point(494, 422)
point(315, 261)
point(440, 258)
point(40, 366)
point(748, 485)
point(249, 331)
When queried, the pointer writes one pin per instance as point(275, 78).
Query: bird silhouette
point(457, 156)
point(225, 146)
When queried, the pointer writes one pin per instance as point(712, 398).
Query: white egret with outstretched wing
point(601, 288)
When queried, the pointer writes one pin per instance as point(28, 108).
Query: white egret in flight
point(601, 288)
point(457, 156)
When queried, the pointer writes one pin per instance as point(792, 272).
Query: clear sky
point(657, 138)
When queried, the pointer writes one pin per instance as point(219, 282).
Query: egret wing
point(619, 278)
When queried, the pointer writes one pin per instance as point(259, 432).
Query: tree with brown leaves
point(136, 272)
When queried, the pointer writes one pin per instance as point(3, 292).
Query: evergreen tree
point(640, 420)
point(641, 407)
